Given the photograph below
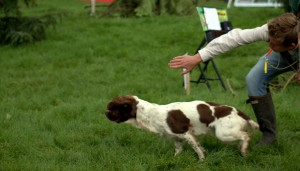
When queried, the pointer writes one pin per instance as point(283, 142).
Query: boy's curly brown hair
point(284, 28)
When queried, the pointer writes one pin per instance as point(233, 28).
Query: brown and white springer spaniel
point(183, 120)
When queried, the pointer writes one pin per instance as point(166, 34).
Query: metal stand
point(210, 35)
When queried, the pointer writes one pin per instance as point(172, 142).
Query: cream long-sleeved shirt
point(233, 39)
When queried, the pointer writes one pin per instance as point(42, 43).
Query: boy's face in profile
point(277, 46)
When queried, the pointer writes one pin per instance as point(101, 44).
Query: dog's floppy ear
point(128, 105)
point(123, 102)
point(125, 108)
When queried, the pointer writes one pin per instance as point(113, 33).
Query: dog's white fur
point(183, 120)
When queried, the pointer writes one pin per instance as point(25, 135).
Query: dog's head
point(121, 109)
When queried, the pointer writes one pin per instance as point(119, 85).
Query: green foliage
point(16, 30)
point(286, 5)
point(11, 7)
point(142, 8)
point(21, 30)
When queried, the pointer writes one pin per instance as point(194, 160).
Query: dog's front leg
point(198, 149)
point(178, 147)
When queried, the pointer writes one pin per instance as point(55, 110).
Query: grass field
point(53, 95)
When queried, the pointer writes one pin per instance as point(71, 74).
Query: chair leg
point(219, 75)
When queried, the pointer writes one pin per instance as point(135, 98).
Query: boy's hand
point(187, 62)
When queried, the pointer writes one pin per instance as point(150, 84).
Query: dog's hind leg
point(195, 145)
point(234, 134)
point(244, 143)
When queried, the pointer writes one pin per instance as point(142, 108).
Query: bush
point(17, 30)
point(142, 8)
point(20, 30)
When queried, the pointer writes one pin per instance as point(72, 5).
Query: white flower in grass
point(8, 116)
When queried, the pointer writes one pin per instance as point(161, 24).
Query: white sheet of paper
point(212, 19)
point(185, 81)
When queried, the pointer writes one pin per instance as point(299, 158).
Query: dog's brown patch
point(243, 115)
point(213, 103)
point(178, 122)
point(222, 111)
point(205, 114)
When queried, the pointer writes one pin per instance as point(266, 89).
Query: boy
point(282, 35)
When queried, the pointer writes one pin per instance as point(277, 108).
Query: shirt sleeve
point(234, 38)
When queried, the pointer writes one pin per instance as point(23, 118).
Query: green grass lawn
point(53, 94)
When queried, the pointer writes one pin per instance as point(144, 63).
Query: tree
point(16, 29)
point(11, 8)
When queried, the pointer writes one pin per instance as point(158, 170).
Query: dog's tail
point(253, 124)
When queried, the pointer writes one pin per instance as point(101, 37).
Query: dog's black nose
point(107, 113)
point(111, 116)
